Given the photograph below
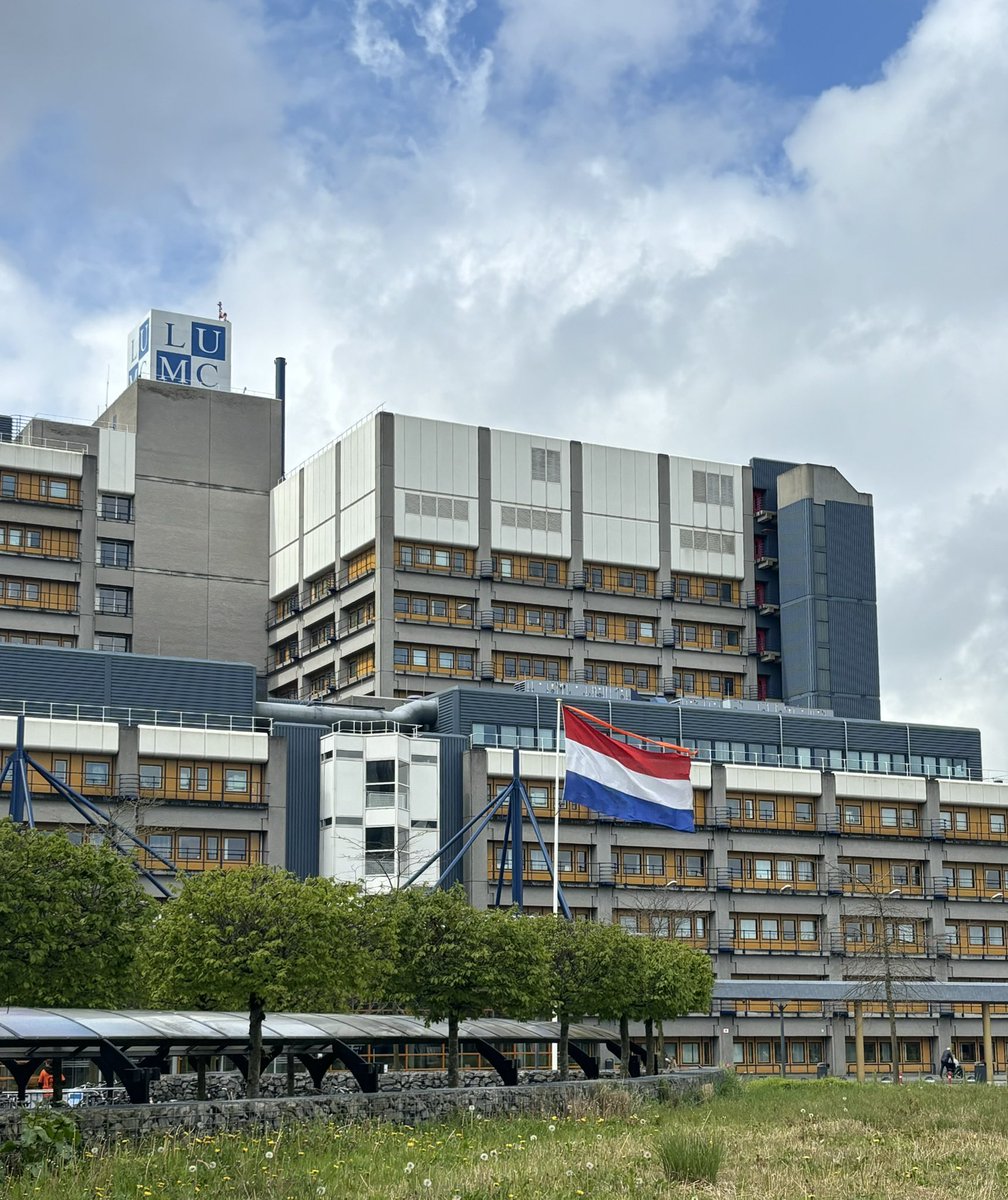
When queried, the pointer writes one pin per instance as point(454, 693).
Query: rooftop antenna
point(221, 314)
point(108, 376)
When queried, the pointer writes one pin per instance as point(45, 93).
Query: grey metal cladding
point(675, 722)
point(453, 749)
point(765, 472)
point(303, 796)
point(810, 731)
point(856, 707)
point(854, 667)
point(188, 685)
point(850, 550)
point(88, 677)
point(794, 549)
point(797, 627)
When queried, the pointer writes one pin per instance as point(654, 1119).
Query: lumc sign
point(174, 348)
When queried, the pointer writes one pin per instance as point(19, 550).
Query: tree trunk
point(291, 1086)
point(661, 1046)
point(652, 1061)
point(453, 1051)
point(562, 1053)
point(257, 1014)
point(624, 1037)
point(201, 1092)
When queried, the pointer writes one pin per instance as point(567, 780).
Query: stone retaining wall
point(229, 1085)
point(402, 1107)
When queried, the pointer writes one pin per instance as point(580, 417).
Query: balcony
point(766, 562)
point(142, 790)
point(764, 516)
point(731, 881)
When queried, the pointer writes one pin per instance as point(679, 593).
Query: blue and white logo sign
point(175, 348)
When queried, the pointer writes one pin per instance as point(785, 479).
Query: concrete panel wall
point(620, 498)
point(116, 461)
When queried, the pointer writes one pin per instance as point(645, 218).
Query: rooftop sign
point(175, 348)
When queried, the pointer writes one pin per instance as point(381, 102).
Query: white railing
point(134, 715)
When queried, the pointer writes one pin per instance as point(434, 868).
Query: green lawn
point(786, 1141)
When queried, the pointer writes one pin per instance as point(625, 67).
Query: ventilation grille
point(707, 539)
point(541, 519)
point(446, 507)
point(710, 488)
point(545, 465)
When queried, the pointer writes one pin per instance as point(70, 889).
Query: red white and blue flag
point(622, 781)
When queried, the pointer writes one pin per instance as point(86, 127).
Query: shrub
point(47, 1138)
point(690, 1156)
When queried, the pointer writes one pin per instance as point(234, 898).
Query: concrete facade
point(412, 553)
point(158, 545)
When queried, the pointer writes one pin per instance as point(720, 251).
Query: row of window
point(413, 556)
point(643, 679)
point(46, 543)
point(169, 778)
point(706, 683)
point(192, 848)
point(40, 489)
point(17, 638)
point(33, 593)
point(450, 610)
point(433, 660)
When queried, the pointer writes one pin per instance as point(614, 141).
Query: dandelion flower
point(590, 1166)
point(409, 1167)
point(269, 1153)
point(427, 1183)
point(484, 1156)
point(192, 1169)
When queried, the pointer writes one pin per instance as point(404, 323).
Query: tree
point(257, 939)
point(453, 962)
point(575, 956)
point(71, 920)
point(675, 979)
point(621, 967)
point(886, 950)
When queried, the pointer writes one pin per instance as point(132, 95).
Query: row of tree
point(77, 929)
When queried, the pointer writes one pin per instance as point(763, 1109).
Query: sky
point(718, 228)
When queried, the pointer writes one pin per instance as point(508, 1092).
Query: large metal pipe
point(281, 394)
point(421, 712)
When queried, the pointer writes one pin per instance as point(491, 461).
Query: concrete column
point(384, 553)
point(484, 548)
point(988, 1041)
point(578, 646)
point(859, 1039)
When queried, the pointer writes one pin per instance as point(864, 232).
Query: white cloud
point(619, 267)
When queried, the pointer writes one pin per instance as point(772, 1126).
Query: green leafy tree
point(71, 920)
point(675, 979)
point(257, 939)
point(453, 962)
point(621, 968)
point(576, 959)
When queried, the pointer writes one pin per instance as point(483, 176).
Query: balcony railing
point(728, 880)
point(145, 790)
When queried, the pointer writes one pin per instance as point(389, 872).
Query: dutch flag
point(621, 781)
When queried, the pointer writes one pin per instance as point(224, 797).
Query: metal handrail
point(134, 715)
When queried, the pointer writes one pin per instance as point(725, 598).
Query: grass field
point(789, 1141)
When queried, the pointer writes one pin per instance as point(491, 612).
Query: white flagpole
point(556, 815)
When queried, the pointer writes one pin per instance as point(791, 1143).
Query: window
point(997, 822)
point(767, 810)
point(151, 775)
point(113, 600)
point(190, 847)
point(202, 779)
point(807, 931)
point(160, 843)
point(446, 660)
point(908, 818)
point(852, 814)
point(763, 868)
point(185, 779)
point(442, 558)
point(889, 817)
point(113, 553)
point(400, 655)
point(406, 556)
point(631, 862)
point(803, 811)
point(769, 929)
point(439, 608)
point(966, 877)
point(655, 864)
point(116, 508)
point(747, 929)
point(976, 935)
point(419, 657)
point(112, 643)
point(235, 849)
point(59, 489)
point(992, 879)
point(962, 822)
point(60, 769)
point(694, 866)
point(236, 779)
point(8, 485)
point(96, 774)
point(785, 870)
